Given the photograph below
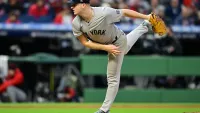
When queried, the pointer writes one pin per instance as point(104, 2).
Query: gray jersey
point(101, 28)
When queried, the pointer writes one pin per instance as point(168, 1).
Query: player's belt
point(116, 38)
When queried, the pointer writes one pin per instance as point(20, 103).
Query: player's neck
point(88, 14)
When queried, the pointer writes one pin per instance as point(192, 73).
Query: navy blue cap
point(74, 2)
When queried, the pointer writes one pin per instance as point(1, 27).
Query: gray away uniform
point(101, 29)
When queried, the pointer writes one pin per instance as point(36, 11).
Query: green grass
point(91, 108)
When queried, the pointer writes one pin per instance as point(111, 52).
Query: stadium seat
point(26, 19)
point(44, 19)
point(3, 18)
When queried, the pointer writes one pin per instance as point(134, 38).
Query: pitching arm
point(134, 14)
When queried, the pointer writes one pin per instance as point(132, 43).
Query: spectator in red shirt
point(56, 5)
point(12, 84)
point(38, 9)
point(13, 18)
point(188, 3)
point(64, 17)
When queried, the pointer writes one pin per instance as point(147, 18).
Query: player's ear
point(83, 5)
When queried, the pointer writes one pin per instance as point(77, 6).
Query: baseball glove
point(158, 25)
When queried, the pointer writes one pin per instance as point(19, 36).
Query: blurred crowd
point(179, 12)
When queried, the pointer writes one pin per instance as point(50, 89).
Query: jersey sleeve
point(113, 15)
point(76, 28)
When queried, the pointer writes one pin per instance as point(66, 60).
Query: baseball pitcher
point(95, 29)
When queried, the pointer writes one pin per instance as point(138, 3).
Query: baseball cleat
point(100, 111)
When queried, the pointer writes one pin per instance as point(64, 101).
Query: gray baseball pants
point(15, 94)
point(114, 64)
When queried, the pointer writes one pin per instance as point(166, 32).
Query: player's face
point(11, 72)
point(76, 9)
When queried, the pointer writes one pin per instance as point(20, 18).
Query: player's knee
point(113, 83)
point(10, 88)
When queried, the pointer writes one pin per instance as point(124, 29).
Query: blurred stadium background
point(36, 39)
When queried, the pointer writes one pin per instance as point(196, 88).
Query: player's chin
point(75, 13)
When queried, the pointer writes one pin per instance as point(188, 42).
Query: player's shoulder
point(101, 9)
point(106, 10)
point(77, 19)
point(76, 22)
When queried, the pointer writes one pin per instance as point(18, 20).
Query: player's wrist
point(104, 47)
point(148, 17)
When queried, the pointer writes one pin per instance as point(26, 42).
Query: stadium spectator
point(64, 17)
point(56, 5)
point(123, 5)
point(197, 22)
point(197, 4)
point(160, 11)
point(2, 7)
point(15, 6)
point(95, 3)
point(186, 17)
point(65, 1)
point(134, 4)
point(197, 12)
point(12, 19)
point(173, 10)
point(13, 84)
point(38, 9)
point(154, 5)
point(188, 3)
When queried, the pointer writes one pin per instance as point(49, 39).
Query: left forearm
point(134, 14)
point(3, 87)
